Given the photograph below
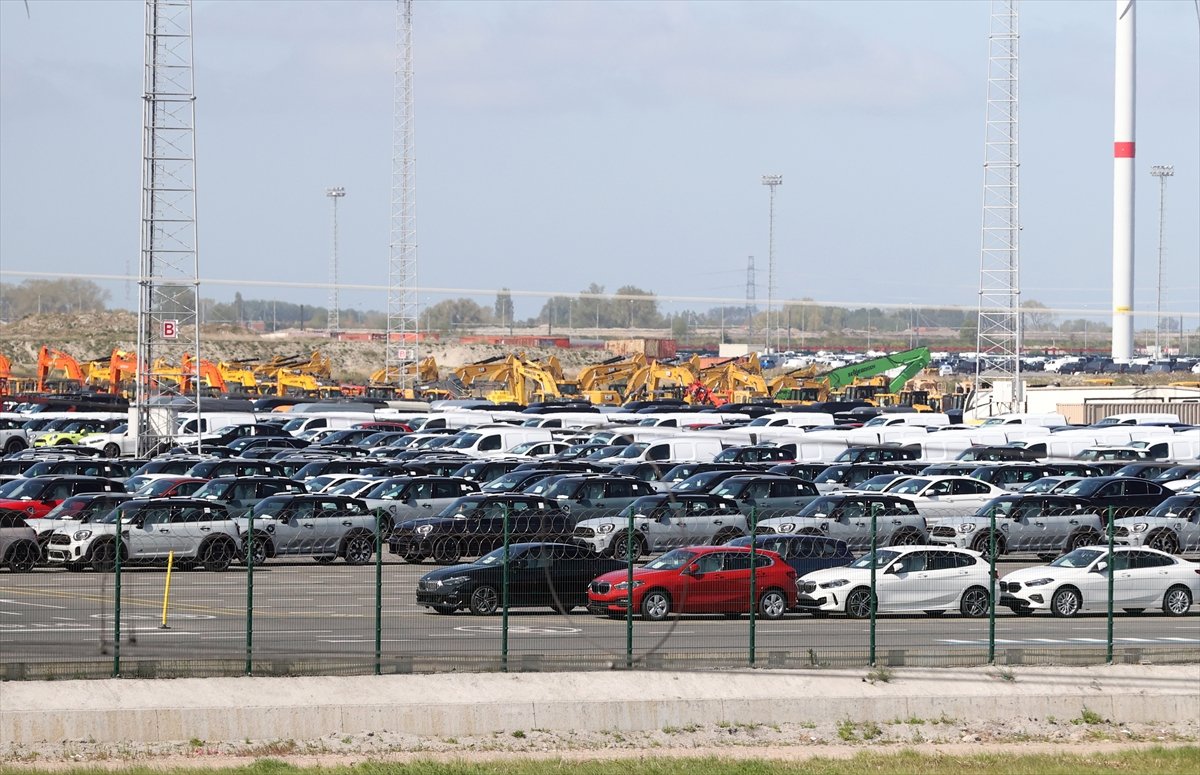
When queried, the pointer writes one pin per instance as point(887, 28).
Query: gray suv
point(848, 517)
point(1048, 525)
point(311, 525)
point(18, 542)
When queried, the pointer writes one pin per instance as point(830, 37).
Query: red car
point(698, 580)
point(35, 496)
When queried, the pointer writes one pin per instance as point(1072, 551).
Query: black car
point(805, 553)
point(807, 470)
point(475, 524)
point(486, 470)
point(1124, 496)
point(539, 575)
point(996, 453)
point(877, 453)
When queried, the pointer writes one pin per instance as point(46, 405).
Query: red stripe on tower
point(1123, 150)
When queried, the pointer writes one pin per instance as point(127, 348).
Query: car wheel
point(773, 604)
point(112, 450)
point(1177, 601)
point(261, 550)
point(656, 605)
point(1080, 540)
point(1134, 611)
point(620, 547)
point(1164, 541)
point(14, 445)
point(1066, 602)
point(858, 603)
point(975, 602)
point(484, 600)
point(217, 556)
point(386, 526)
point(934, 613)
point(983, 545)
point(446, 552)
point(358, 550)
point(445, 610)
point(906, 539)
point(413, 556)
point(23, 556)
point(104, 556)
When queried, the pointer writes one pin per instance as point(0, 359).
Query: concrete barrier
point(235, 709)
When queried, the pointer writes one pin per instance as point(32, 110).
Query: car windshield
point(632, 450)
point(71, 508)
point(465, 441)
point(1175, 506)
point(910, 486)
point(496, 557)
point(348, 487)
point(120, 512)
point(729, 488)
point(877, 483)
point(563, 488)
point(508, 482)
point(28, 489)
point(389, 490)
point(7, 488)
point(460, 508)
point(880, 559)
point(834, 474)
point(644, 506)
point(1177, 472)
point(672, 560)
point(1079, 558)
point(156, 488)
point(270, 507)
point(213, 491)
point(1002, 505)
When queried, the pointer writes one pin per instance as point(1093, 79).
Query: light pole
point(771, 181)
point(1162, 172)
point(334, 195)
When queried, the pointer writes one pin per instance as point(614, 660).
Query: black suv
point(877, 453)
point(474, 525)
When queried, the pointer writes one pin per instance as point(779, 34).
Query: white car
point(933, 579)
point(1078, 581)
point(946, 495)
point(115, 443)
point(1172, 526)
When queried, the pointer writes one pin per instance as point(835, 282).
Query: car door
point(154, 538)
point(1149, 578)
point(1128, 583)
point(948, 574)
point(296, 532)
point(1027, 529)
point(904, 585)
point(706, 587)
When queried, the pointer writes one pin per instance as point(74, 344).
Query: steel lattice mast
point(168, 275)
point(401, 347)
point(999, 333)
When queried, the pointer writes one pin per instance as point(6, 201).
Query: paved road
point(326, 613)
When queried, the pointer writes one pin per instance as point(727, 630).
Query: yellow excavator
point(664, 380)
point(606, 383)
point(732, 381)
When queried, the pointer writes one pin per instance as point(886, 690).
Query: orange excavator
point(5, 374)
point(51, 361)
point(208, 371)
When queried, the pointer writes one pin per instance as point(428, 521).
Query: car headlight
point(786, 527)
point(834, 584)
point(1140, 527)
point(423, 530)
point(82, 535)
point(1038, 582)
point(624, 585)
point(453, 581)
point(966, 527)
point(605, 528)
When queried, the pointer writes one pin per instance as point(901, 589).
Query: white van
point(792, 420)
point(298, 425)
point(495, 442)
point(191, 424)
point(677, 449)
point(1048, 420)
point(922, 419)
point(1137, 418)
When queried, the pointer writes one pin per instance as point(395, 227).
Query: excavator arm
point(905, 362)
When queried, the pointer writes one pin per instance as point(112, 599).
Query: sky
point(560, 144)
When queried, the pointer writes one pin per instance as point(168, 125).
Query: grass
point(879, 674)
point(1088, 717)
point(1149, 761)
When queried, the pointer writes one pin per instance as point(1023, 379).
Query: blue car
point(805, 553)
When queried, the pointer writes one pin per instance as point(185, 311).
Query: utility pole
point(334, 323)
point(772, 182)
point(1162, 172)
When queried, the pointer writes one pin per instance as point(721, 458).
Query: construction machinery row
point(885, 381)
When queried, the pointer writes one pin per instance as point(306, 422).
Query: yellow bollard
point(167, 590)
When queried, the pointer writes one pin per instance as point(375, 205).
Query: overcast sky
point(565, 143)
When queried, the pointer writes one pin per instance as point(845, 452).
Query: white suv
point(199, 532)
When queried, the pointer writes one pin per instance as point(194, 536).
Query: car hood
point(413, 524)
point(462, 569)
point(1045, 571)
point(642, 574)
point(851, 574)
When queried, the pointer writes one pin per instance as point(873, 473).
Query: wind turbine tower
point(168, 272)
point(401, 345)
point(999, 332)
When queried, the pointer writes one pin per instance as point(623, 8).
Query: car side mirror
point(893, 568)
point(692, 570)
point(1101, 567)
point(520, 563)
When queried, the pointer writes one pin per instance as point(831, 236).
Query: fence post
point(250, 593)
point(753, 577)
point(378, 591)
point(874, 562)
point(116, 669)
point(992, 587)
point(629, 593)
point(1111, 567)
point(504, 597)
